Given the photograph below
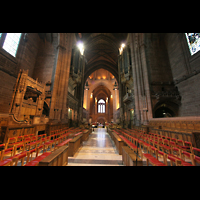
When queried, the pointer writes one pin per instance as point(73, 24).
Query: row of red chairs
point(27, 141)
point(46, 143)
point(177, 141)
point(27, 151)
point(164, 142)
point(185, 151)
point(137, 141)
point(141, 140)
point(36, 161)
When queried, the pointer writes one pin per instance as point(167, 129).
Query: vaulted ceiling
point(101, 92)
point(101, 51)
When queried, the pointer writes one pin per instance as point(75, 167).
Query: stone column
point(147, 93)
point(141, 84)
point(60, 84)
point(106, 107)
point(67, 55)
point(86, 99)
point(96, 106)
point(133, 47)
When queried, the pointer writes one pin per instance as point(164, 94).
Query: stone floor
point(98, 150)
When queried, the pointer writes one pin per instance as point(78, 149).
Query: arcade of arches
point(100, 87)
point(130, 80)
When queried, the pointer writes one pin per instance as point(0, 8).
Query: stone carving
point(28, 99)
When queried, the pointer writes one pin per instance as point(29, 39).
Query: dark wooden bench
point(129, 158)
point(118, 142)
point(74, 145)
point(57, 158)
point(64, 143)
point(86, 134)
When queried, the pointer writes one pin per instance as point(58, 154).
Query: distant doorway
point(164, 112)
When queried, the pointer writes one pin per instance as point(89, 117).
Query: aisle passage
point(99, 150)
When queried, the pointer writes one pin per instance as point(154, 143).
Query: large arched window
point(101, 106)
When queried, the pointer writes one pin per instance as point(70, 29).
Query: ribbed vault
point(101, 51)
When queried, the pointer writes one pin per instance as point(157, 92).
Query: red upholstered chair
point(27, 140)
point(152, 160)
point(30, 154)
point(2, 146)
point(36, 161)
point(186, 154)
point(165, 147)
point(172, 144)
point(173, 159)
point(18, 157)
point(41, 157)
point(53, 136)
point(14, 141)
point(8, 151)
point(173, 140)
point(19, 148)
point(41, 136)
point(195, 158)
point(6, 162)
point(56, 142)
point(48, 144)
point(32, 163)
point(180, 142)
point(41, 147)
point(176, 151)
point(164, 156)
point(186, 143)
point(34, 143)
point(178, 161)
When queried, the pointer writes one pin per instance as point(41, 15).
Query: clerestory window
point(11, 42)
point(193, 40)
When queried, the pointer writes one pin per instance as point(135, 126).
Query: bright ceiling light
point(123, 45)
point(81, 47)
point(121, 48)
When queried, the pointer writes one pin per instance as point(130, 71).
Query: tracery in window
point(11, 43)
point(193, 40)
point(101, 106)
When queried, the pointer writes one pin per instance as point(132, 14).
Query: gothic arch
point(101, 119)
point(100, 65)
point(165, 107)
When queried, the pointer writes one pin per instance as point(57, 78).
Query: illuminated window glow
point(101, 106)
point(193, 40)
point(11, 43)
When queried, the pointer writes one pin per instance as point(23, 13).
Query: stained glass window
point(0, 35)
point(193, 40)
point(11, 43)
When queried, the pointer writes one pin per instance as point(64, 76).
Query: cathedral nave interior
point(69, 99)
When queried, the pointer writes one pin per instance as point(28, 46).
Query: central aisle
point(98, 150)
